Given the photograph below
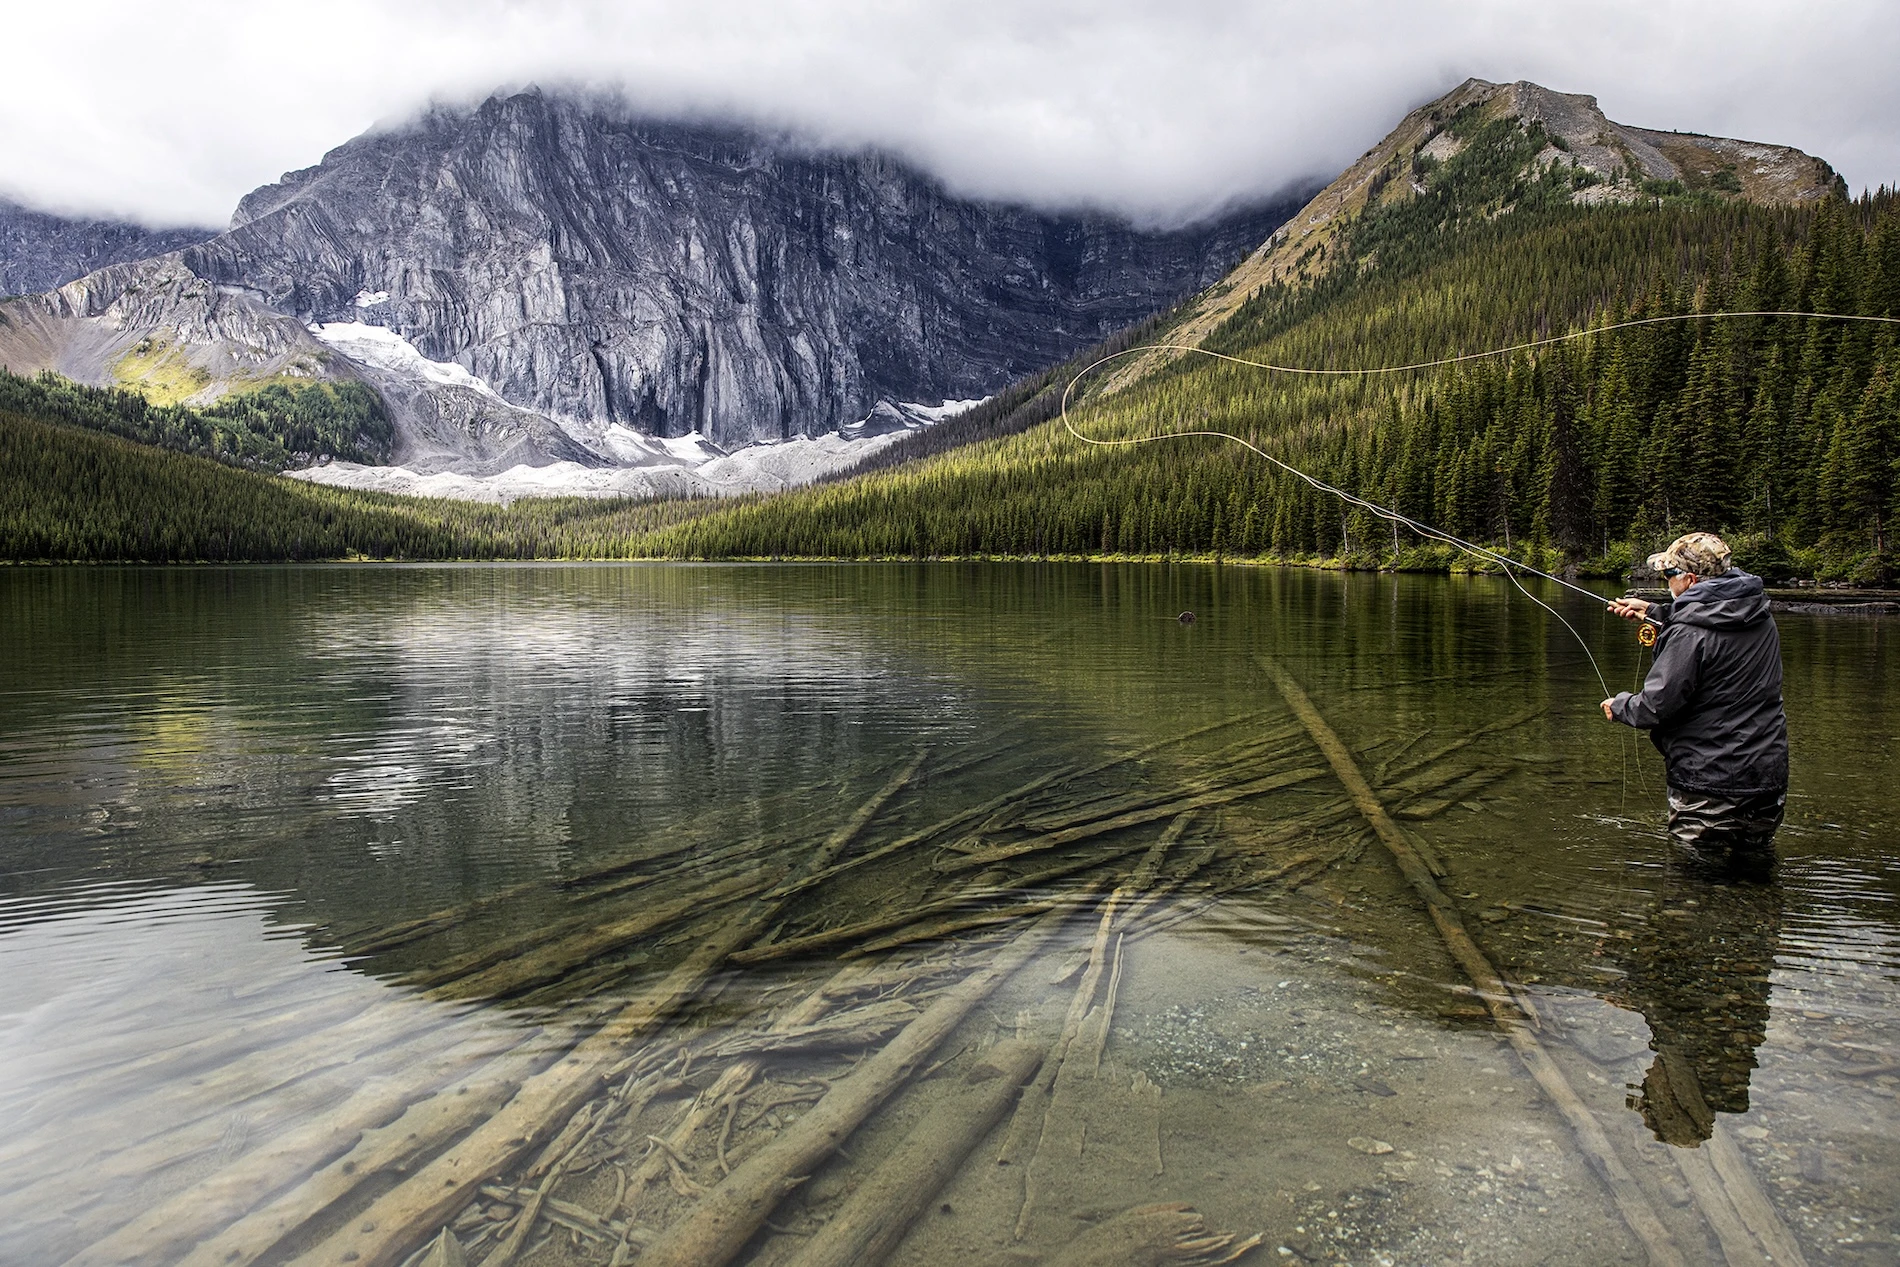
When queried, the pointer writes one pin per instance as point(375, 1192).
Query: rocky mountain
point(1605, 162)
point(536, 278)
point(39, 250)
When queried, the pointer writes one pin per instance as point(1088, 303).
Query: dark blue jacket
point(1712, 700)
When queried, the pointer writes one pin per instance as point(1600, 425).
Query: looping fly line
point(1510, 566)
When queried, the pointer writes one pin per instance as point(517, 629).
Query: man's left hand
point(1607, 714)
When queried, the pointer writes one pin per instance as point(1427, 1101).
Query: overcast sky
point(168, 111)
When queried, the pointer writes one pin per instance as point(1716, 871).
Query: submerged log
point(1011, 815)
point(827, 853)
point(1134, 818)
point(419, 1205)
point(684, 850)
point(1272, 741)
point(1383, 771)
point(1757, 1213)
point(939, 828)
point(1151, 862)
point(876, 1217)
point(1465, 741)
point(733, 1082)
point(1043, 1109)
point(1111, 807)
point(1738, 1245)
point(1502, 1002)
point(554, 960)
point(1460, 789)
point(190, 1118)
point(1143, 879)
point(715, 1231)
point(968, 900)
point(937, 929)
point(173, 1226)
point(858, 1027)
point(546, 939)
point(423, 1127)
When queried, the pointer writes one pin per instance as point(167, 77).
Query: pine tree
point(1864, 451)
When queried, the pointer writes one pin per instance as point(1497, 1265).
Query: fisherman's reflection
point(1699, 975)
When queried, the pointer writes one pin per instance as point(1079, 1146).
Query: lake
point(570, 908)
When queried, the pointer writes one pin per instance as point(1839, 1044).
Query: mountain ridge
point(1583, 455)
point(41, 250)
point(1613, 162)
point(592, 269)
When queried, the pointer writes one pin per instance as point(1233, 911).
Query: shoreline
point(1831, 600)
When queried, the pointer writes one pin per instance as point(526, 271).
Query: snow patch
point(370, 298)
point(937, 413)
point(692, 448)
point(386, 350)
point(649, 466)
point(561, 479)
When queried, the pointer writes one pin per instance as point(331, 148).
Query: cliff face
point(39, 251)
point(597, 269)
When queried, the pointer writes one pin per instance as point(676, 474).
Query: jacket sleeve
point(1668, 688)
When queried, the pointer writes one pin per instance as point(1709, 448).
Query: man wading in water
point(1712, 705)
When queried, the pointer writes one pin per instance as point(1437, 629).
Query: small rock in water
point(1813, 1164)
point(1752, 1132)
point(1376, 1147)
point(1186, 618)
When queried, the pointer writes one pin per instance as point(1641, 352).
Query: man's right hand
point(1629, 608)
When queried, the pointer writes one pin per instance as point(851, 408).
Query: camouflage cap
point(1701, 553)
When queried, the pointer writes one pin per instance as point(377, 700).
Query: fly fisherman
point(1712, 704)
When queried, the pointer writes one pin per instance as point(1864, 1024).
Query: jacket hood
point(1722, 602)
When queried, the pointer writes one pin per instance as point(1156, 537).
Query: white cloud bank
point(168, 112)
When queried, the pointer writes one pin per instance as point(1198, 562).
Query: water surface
point(284, 851)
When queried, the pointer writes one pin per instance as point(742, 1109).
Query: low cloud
point(169, 112)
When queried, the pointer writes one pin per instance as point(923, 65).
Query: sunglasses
point(1671, 573)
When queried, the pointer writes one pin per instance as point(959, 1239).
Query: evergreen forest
point(1780, 432)
point(273, 427)
point(70, 493)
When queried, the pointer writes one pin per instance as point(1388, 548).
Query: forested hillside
point(270, 428)
point(1780, 432)
point(71, 494)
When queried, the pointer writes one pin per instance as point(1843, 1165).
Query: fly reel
point(1646, 634)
